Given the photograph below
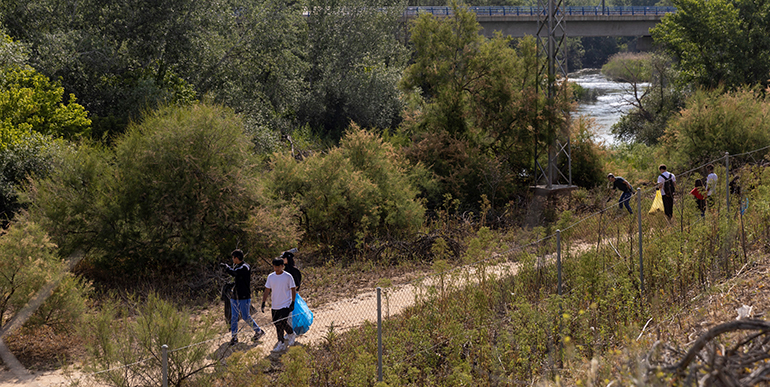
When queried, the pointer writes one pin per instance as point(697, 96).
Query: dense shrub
point(714, 122)
point(23, 154)
point(180, 189)
point(354, 192)
point(126, 341)
point(28, 261)
point(586, 155)
point(629, 67)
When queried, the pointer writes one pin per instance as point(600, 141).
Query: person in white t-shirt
point(282, 291)
point(711, 184)
point(668, 197)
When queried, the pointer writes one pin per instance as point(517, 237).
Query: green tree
point(33, 120)
point(719, 42)
point(477, 116)
point(356, 192)
point(180, 190)
point(355, 63)
point(714, 122)
point(651, 106)
point(30, 101)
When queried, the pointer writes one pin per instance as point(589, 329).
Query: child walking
point(282, 291)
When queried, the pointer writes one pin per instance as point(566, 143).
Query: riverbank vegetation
point(137, 154)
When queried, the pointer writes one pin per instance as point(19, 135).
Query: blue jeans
point(624, 199)
point(240, 309)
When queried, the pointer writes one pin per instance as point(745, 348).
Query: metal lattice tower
point(551, 34)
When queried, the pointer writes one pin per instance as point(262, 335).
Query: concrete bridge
point(578, 21)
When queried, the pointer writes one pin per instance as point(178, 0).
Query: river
point(610, 104)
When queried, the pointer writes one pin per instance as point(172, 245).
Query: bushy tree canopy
point(179, 190)
point(714, 122)
point(477, 116)
point(357, 191)
point(718, 42)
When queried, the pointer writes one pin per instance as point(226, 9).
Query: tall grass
point(512, 329)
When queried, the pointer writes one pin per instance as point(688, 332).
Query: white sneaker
point(290, 339)
point(279, 347)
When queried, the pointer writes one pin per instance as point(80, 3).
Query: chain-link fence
point(644, 262)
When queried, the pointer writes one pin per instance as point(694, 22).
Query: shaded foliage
point(714, 122)
point(723, 42)
point(357, 191)
point(179, 190)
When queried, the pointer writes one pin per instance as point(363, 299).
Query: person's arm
point(293, 298)
point(265, 294)
point(628, 185)
point(227, 269)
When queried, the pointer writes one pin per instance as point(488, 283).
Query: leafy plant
point(358, 191)
point(129, 347)
point(28, 261)
point(180, 190)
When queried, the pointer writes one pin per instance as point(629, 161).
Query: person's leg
point(246, 314)
point(624, 199)
point(234, 316)
point(276, 313)
point(668, 206)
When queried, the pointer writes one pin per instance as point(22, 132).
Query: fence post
point(727, 181)
point(558, 260)
point(558, 287)
point(164, 350)
point(379, 334)
point(639, 216)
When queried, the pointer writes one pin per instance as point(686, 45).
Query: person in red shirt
point(700, 200)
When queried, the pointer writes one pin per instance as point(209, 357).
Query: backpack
point(668, 185)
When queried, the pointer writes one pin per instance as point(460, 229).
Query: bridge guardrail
point(532, 11)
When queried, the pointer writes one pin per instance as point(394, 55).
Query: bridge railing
point(532, 11)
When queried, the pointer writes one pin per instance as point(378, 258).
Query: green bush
point(629, 67)
point(355, 192)
point(714, 122)
point(23, 154)
point(28, 261)
point(180, 190)
point(126, 341)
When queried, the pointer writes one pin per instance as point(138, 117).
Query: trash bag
point(301, 317)
point(227, 294)
point(657, 203)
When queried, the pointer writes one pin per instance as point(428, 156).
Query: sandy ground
point(337, 316)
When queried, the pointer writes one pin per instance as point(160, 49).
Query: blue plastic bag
point(301, 317)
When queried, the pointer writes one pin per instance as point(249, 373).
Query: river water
point(611, 102)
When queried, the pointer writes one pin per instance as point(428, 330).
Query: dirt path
point(338, 316)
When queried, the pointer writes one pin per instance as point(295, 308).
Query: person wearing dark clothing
point(288, 261)
point(623, 186)
point(240, 302)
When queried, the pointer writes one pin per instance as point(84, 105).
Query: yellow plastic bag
point(657, 203)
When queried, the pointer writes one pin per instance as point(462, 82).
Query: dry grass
point(680, 329)
point(42, 349)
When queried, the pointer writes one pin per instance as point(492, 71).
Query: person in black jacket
point(241, 300)
point(288, 262)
